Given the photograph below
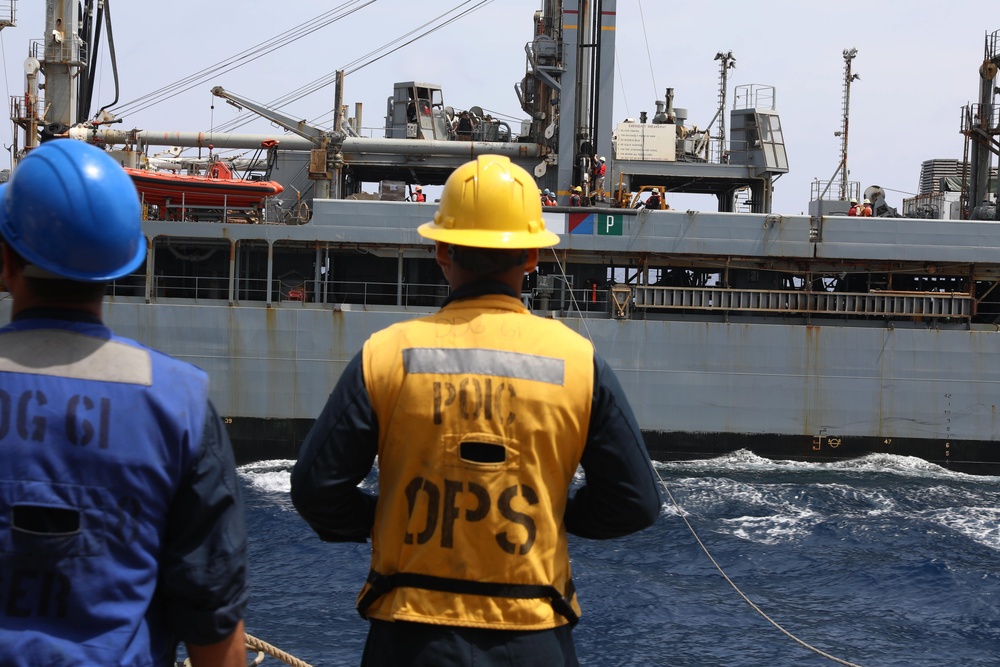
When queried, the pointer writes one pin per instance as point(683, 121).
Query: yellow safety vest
point(483, 411)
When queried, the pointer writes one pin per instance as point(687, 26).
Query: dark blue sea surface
point(883, 561)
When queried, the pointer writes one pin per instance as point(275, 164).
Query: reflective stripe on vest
point(483, 412)
point(69, 354)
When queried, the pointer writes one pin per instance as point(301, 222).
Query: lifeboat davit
point(218, 188)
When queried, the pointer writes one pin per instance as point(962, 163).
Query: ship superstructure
point(819, 336)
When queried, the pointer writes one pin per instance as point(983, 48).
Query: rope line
point(260, 645)
point(682, 514)
point(305, 90)
point(247, 56)
point(649, 55)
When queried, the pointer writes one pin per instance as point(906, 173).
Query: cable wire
point(360, 63)
point(649, 55)
point(244, 57)
point(683, 515)
point(479, 5)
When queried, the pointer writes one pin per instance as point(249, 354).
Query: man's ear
point(8, 260)
point(532, 262)
point(441, 254)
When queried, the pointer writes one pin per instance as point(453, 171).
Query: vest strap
point(382, 584)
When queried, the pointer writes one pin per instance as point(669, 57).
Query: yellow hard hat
point(578, 189)
point(490, 203)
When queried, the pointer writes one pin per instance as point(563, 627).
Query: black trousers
point(403, 644)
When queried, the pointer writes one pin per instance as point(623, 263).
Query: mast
point(587, 91)
point(726, 62)
point(63, 58)
point(568, 88)
point(979, 126)
point(849, 55)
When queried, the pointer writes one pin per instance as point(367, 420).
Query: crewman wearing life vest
point(653, 201)
point(479, 416)
point(547, 199)
point(418, 194)
point(866, 210)
point(576, 197)
point(122, 525)
point(855, 210)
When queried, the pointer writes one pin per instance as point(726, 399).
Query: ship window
point(776, 130)
point(765, 129)
point(191, 268)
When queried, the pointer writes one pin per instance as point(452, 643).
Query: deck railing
point(620, 301)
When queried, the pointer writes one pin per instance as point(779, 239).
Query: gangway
point(892, 304)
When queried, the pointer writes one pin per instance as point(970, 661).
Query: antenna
point(849, 56)
point(726, 62)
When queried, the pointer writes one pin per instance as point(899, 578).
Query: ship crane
point(326, 160)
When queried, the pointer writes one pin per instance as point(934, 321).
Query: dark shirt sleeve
point(335, 457)
point(204, 564)
point(620, 494)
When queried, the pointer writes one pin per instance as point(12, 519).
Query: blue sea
point(883, 561)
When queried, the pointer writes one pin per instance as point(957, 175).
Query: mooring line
point(681, 513)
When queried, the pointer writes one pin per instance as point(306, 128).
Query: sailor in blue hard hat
point(70, 211)
point(120, 504)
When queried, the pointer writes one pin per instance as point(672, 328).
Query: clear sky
point(918, 62)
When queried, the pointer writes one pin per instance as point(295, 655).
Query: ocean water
point(882, 561)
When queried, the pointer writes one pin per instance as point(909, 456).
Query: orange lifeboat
point(219, 188)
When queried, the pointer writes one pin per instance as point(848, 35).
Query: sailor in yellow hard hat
point(479, 415)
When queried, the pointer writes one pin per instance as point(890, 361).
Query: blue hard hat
point(72, 211)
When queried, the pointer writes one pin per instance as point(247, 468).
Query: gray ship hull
point(698, 388)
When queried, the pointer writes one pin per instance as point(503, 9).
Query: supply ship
point(803, 337)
